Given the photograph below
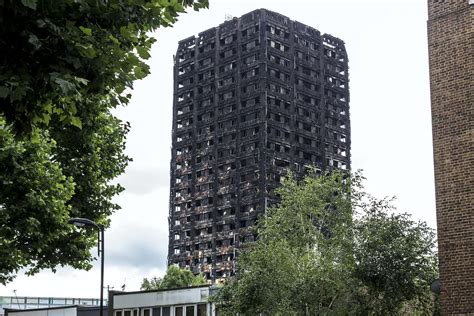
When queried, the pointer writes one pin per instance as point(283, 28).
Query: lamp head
point(82, 222)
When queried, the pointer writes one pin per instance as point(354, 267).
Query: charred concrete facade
point(451, 57)
point(253, 97)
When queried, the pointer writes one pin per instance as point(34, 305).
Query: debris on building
point(253, 97)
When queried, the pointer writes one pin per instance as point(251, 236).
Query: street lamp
point(83, 222)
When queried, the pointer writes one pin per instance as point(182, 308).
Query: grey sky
point(390, 117)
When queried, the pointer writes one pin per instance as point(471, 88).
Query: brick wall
point(451, 58)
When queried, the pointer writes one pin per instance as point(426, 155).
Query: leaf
point(124, 32)
point(143, 52)
point(168, 18)
point(179, 8)
point(65, 85)
point(89, 51)
point(86, 30)
point(119, 88)
point(72, 109)
point(29, 3)
point(133, 59)
point(41, 23)
point(114, 39)
point(18, 93)
point(46, 118)
point(76, 122)
point(33, 40)
point(138, 71)
point(4, 92)
point(76, 62)
point(81, 80)
point(128, 33)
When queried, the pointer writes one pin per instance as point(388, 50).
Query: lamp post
point(82, 222)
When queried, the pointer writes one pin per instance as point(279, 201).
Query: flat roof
point(115, 293)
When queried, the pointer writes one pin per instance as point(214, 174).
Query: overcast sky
point(386, 43)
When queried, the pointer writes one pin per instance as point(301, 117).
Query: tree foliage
point(59, 58)
point(395, 260)
point(64, 66)
point(328, 248)
point(175, 277)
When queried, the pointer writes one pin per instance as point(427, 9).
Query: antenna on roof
point(124, 284)
point(228, 17)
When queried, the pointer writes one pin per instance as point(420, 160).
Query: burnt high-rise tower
point(252, 97)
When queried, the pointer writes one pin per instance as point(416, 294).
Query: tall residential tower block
point(253, 97)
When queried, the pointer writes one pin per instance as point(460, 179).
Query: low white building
point(48, 311)
point(71, 310)
point(33, 302)
point(191, 301)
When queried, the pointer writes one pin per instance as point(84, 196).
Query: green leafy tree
point(301, 260)
point(175, 277)
point(64, 66)
point(328, 248)
point(395, 260)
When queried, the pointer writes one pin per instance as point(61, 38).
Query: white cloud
point(143, 179)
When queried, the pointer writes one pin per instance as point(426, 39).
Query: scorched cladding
point(256, 96)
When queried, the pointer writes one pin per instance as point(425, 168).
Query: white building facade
point(192, 301)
